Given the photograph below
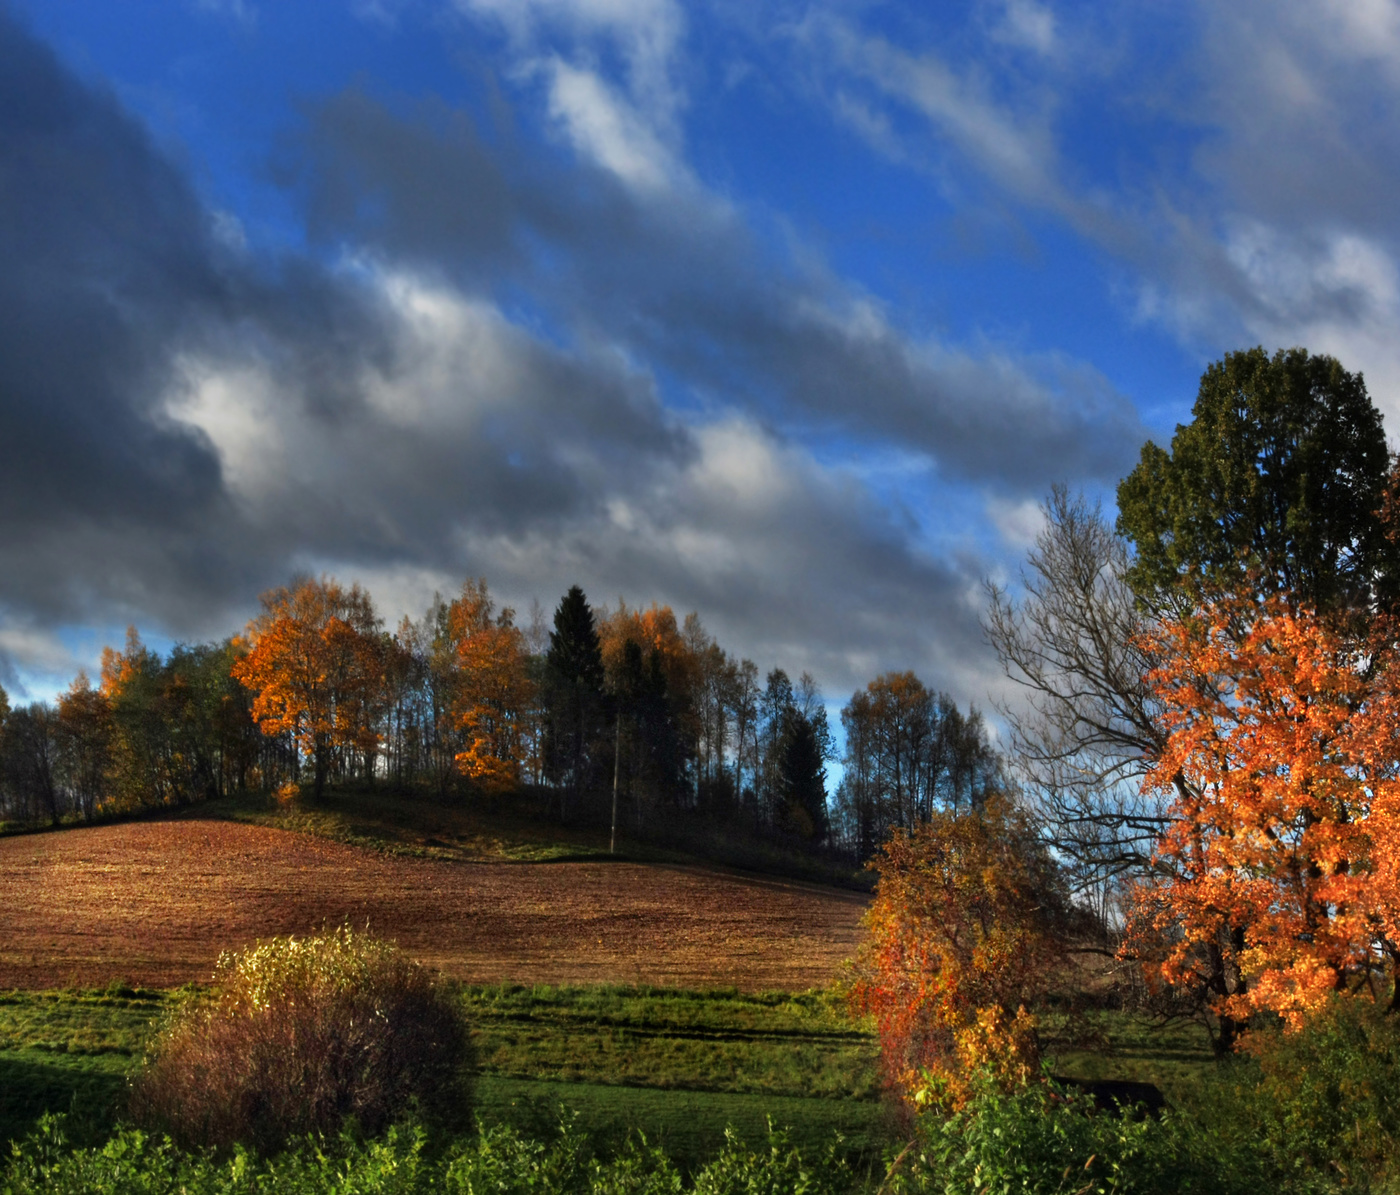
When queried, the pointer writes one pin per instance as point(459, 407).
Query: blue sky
point(786, 313)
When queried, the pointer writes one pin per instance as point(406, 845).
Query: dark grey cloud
point(468, 387)
point(118, 301)
point(682, 279)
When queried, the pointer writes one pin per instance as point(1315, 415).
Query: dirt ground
point(153, 904)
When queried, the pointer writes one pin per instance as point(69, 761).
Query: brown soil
point(153, 904)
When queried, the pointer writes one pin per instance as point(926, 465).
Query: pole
point(617, 755)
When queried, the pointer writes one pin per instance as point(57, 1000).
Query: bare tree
point(1087, 731)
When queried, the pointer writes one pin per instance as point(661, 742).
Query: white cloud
point(35, 663)
point(605, 128)
point(1018, 523)
point(1028, 25)
point(1015, 146)
point(645, 32)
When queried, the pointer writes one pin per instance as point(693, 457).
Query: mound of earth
point(153, 903)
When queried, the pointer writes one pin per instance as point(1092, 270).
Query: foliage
point(297, 1036)
point(495, 695)
point(498, 1159)
point(909, 753)
point(1275, 483)
point(678, 1065)
point(573, 699)
point(802, 777)
point(1282, 757)
point(315, 665)
point(966, 933)
point(1321, 1105)
point(1042, 1141)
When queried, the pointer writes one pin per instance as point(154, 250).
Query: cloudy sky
point(788, 313)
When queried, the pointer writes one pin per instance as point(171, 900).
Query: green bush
point(498, 1161)
point(1321, 1105)
point(1041, 1141)
point(300, 1036)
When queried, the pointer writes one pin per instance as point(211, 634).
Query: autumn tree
point(494, 698)
point(86, 733)
point(964, 937)
point(667, 707)
point(130, 681)
point(714, 683)
point(1278, 883)
point(315, 666)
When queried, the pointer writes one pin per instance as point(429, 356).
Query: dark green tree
point(802, 776)
point(652, 751)
point(1276, 483)
point(574, 702)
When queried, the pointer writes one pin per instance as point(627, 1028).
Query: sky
point(786, 313)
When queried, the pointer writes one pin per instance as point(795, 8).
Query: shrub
point(1321, 1104)
point(966, 934)
point(300, 1035)
point(1038, 1141)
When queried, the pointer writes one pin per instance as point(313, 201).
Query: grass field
point(151, 901)
point(679, 1066)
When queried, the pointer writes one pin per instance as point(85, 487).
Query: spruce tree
point(573, 699)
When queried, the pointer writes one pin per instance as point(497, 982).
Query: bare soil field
point(153, 903)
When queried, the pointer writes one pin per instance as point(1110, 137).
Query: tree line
point(617, 715)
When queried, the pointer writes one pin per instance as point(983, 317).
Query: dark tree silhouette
point(573, 699)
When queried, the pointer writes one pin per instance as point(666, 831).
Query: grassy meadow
point(677, 1066)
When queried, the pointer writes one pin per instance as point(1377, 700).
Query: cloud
point(1027, 25)
point(642, 420)
point(609, 131)
point(680, 278)
point(1235, 162)
point(646, 33)
point(1015, 147)
point(1282, 232)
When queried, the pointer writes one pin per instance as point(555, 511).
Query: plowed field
point(153, 904)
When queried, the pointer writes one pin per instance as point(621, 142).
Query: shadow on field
point(31, 1085)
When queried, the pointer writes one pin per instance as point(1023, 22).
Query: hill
point(153, 902)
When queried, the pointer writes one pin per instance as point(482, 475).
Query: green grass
point(772, 1044)
point(70, 1052)
point(679, 1066)
point(689, 1125)
point(1175, 1055)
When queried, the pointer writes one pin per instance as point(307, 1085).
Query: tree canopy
point(1276, 483)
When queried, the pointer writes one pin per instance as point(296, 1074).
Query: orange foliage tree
point(967, 930)
point(315, 665)
point(494, 699)
point(657, 633)
point(1277, 878)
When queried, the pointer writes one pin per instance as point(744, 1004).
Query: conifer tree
point(573, 698)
